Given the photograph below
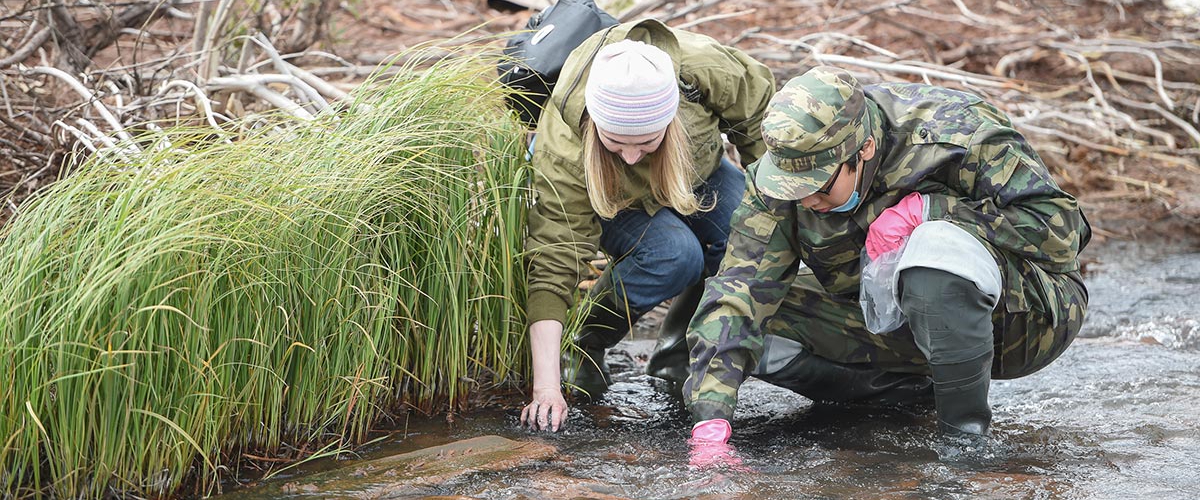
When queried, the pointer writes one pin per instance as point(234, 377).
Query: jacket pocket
point(1028, 288)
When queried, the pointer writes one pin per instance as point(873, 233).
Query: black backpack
point(535, 57)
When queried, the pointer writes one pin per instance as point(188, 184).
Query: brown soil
point(1140, 189)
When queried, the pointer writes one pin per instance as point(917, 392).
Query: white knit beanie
point(632, 89)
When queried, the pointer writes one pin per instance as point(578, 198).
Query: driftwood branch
point(88, 96)
point(23, 52)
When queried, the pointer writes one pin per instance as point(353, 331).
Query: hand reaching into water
point(547, 411)
point(709, 446)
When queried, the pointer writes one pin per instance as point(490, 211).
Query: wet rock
point(1013, 485)
point(417, 473)
point(555, 485)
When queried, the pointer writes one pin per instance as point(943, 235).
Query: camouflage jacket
point(978, 173)
point(722, 90)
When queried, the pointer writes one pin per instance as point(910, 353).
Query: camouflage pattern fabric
point(812, 126)
point(979, 173)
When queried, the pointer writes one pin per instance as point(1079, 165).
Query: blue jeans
point(658, 256)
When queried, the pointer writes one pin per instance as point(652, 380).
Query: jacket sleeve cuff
point(937, 207)
point(708, 410)
point(543, 304)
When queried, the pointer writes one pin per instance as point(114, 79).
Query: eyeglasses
point(852, 160)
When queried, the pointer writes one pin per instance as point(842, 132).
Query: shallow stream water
point(1114, 417)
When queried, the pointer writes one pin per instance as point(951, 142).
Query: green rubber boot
point(961, 390)
point(584, 370)
point(826, 381)
point(670, 358)
point(951, 321)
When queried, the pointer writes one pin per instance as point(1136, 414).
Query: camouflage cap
point(813, 125)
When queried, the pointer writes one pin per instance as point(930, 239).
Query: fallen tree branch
point(639, 8)
point(854, 16)
point(254, 85)
point(1075, 139)
point(305, 90)
point(89, 97)
point(1158, 71)
point(103, 34)
point(1170, 117)
point(26, 50)
point(944, 74)
point(688, 9)
point(976, 18)
point(1146, 185)
point(80, 137)
point(201, 98)
point(803, 42)
point(714, 17)
point(42, 139)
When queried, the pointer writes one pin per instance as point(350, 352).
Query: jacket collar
point(882, 147)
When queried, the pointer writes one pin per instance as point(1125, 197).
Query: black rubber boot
point(826, 381)
point(608, 321)
point(670, 358)
point(961, 392)
point(951, 323)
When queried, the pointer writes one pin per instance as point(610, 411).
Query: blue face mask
point(853, 201)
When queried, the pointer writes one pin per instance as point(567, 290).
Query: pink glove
point(709, 448)
point(894, 225)
point(715, 430)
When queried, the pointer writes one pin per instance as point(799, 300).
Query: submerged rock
point(416, 473)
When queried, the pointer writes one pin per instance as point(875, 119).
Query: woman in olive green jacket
point(629, 155)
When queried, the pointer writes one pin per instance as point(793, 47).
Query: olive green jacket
point(721, 90)
point(977, 173)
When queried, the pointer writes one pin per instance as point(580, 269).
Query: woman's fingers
point(544, 416)
point(545, 412)
point(556, 416)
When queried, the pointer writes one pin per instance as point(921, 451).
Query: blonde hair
point(671, 173)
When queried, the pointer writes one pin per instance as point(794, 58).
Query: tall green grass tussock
point(160, 312)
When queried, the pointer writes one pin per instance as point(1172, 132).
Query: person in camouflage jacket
point(988, 271)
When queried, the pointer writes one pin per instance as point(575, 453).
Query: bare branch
point(639, 8)
point(254, 85)
point(1158, 71)
point(1175, 120)
point(26, 50)
point(715, 17)
point(205, 103)
point(88, 96)
point(905, 68)
point(43, 139)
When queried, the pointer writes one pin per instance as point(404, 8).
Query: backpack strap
point(690, 92)
point(579, 75)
